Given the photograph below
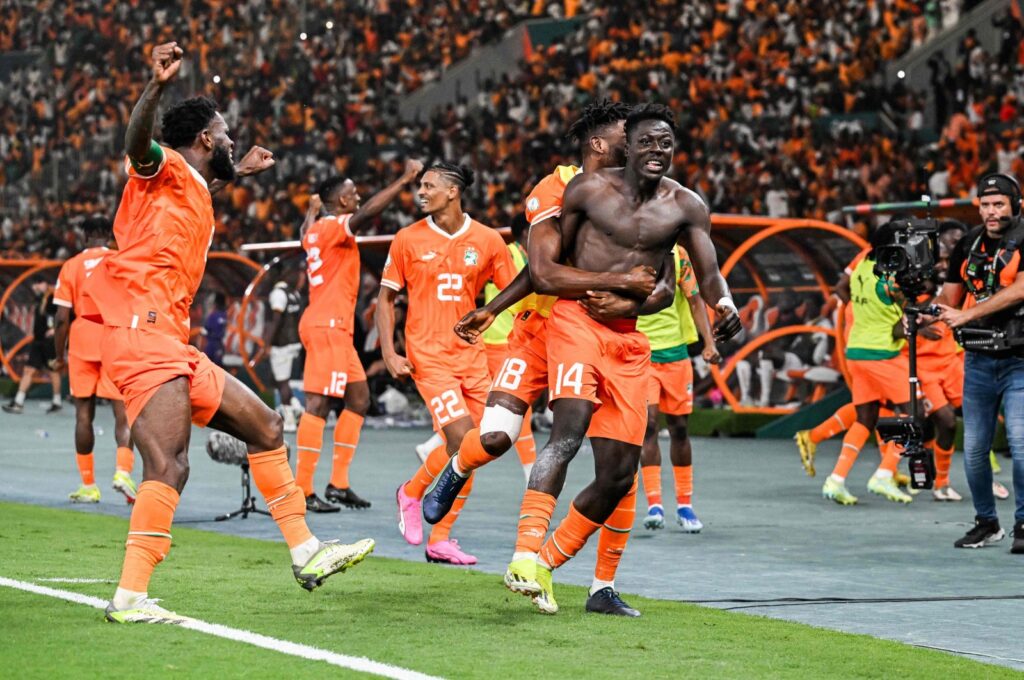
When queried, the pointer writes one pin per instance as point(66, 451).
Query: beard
point(221, 165)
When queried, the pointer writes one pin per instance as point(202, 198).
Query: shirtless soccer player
point(332, 370)
point(443, 262)
point(612, 221)
point(142, 294)
point(85, 372)
point(523, 374)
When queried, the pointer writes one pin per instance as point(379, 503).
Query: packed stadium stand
point(784, 108)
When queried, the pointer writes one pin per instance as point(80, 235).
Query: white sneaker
point(288, 413)
point(946, 493)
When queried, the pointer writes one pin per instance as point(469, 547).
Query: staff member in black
point(985, 289)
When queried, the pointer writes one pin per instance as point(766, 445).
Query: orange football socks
point(86, 468)
point(125, 459)
point(853, 442)
point(840, 421)
point(430, 469)
point(684, 484)
point(567, 539)
point(308, 440)
point(611, 542)
point(534, 519)
point(284, 499)
point(346, 439)
point(652, 483)
point(149, 534)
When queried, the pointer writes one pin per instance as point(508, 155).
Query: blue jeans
point(989, 382)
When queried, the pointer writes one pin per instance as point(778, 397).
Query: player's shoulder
point(411, 233)
point(685, 196)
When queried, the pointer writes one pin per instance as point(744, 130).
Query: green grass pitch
point(447, 622)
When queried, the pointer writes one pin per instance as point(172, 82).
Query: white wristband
point(727, 302)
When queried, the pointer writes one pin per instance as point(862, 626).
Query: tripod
point(908, 431)
point(248, 501)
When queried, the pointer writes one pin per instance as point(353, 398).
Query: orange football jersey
point(444, 273)
point(86, 336)
point(164, 228)
point(332, 269)
point(544, 202)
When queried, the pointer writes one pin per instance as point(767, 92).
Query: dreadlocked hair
point(649, 111)
point(461, 176)
point(594, 117)
point(186, 119)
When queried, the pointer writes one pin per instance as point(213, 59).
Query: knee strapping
point(500, 419)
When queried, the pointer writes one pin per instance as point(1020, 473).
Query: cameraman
point(984, 278)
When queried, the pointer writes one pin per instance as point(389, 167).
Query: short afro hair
point(329, 187)
point(649, 112)
point(186, 119)
point(596, 116)
point(96, 226)
point(461, 176)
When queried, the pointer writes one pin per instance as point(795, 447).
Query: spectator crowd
point(782, 106)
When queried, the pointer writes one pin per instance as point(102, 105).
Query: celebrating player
point(142, 294)
point(85, 372)
point(443, 261)
point(333, 370)
point(612, 221)
point(523, 376)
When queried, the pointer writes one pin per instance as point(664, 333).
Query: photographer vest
point(985, 273)
point(875, 313)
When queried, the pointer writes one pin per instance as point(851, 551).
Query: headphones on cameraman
point(992, 181)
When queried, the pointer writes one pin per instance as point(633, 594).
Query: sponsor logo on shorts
point(151, 317)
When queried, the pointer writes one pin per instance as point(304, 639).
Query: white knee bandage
point(500, 419)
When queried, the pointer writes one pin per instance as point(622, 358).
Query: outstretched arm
point(384, 197)
point(312, 212)
point(143, 152)
point(480, 319)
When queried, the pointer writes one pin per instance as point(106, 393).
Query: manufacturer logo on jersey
point(471, 257)
point(428, 256)
point(533, 204)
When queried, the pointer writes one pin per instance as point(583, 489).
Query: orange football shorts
point(606, 364)
point(139, 362)
point(331, 361)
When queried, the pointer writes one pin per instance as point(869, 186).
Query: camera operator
point(985, 279)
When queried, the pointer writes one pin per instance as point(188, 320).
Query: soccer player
point(333, 370)
point(599, 131)
point(85, 372)
point(613, 220)
point(495, 340)
point(670, 391)
point(443, 261)
point(142, 294)
point(40, 351)
point(878, 371)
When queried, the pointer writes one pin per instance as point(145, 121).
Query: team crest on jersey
point(533, 204)
point(312, 238)
point(471, 257)
point(428, 256)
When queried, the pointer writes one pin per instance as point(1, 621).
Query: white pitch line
point(75, 580)
point(356, 663)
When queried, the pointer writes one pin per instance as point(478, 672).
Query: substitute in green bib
point(670, 392)
point(879, 373)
